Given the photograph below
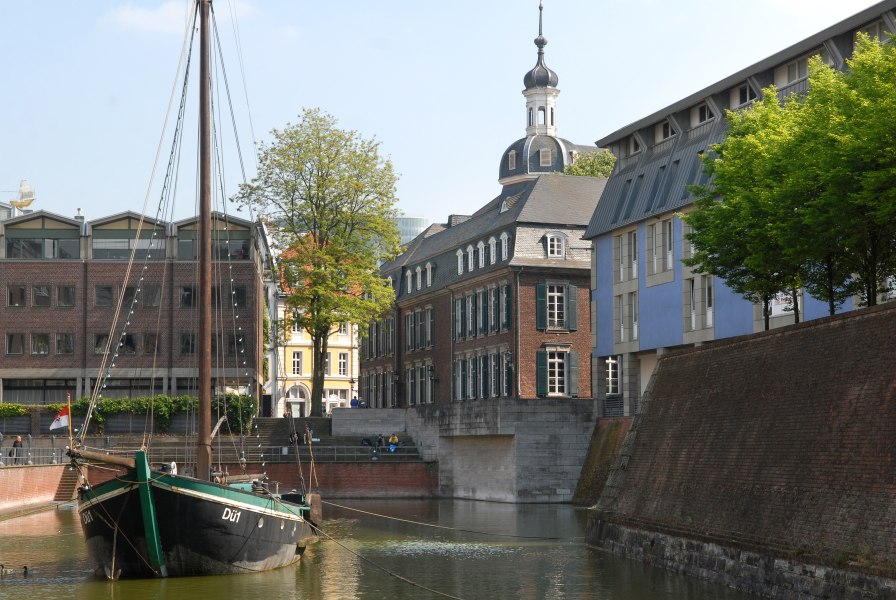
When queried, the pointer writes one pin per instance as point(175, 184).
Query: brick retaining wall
point(783, 443)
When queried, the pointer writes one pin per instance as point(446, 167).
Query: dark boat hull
point(203, 528)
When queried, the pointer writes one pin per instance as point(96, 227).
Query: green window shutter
point(430, 339)
point(573, 374)
point(483, 303)
point(541, 373)
point(485, 379)
point(475, 312)
point(496, 309)
point(413, 386)
point(461, 334)
point(572, 307)
point(541, 306)
point(474, 389)
point(454, 320)
point(463, 378)
point(508, 307)
point(454, 380)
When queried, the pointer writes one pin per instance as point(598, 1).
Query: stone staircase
point(68, 483)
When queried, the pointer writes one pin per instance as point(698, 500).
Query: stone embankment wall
point(752, 455)
point(28, 486)
point(502, 450)
point(605, 443)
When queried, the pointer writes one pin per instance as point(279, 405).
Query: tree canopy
point(328, 198)
point(802, 192)
point(593, 164)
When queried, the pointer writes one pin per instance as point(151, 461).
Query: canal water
point(374, 550)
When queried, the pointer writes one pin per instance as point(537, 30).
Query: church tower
point(541, 151)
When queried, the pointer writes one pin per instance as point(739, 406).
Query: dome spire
point(540, 75)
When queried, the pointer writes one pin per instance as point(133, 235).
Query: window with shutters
point(557, 372)
point(506, 307)
point(556, 307)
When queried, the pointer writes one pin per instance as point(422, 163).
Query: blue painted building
point(644, 299)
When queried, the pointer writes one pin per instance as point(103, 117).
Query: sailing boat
point(148, 523)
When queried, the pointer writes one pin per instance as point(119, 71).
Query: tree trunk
point(794, 293)
point(829, 271)
point(766, 311)
point(319, 343)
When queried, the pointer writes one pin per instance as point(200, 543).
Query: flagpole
point(68, 395)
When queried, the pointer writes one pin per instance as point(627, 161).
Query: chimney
point(79, 216)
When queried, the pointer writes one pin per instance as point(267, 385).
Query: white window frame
point(511, 160)
point(708, 299)
point(460, 262)
point(428, 274)
point(633, 314)
point(558, 371)
point(614, 371)
point(556, 306)
point(410, 279)
point(693, 302)
point(556, 245)
point(632, 244)
point(668, 242)
point(470, 259)
point(704, 113)
point(797, 70)
point(419, 273)
point(343, 364)
point(481, 247)
point(296, 362)
point(492, 250)
point(504, 245)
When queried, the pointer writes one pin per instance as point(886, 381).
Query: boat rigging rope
point(458, 529)
point(380, 567)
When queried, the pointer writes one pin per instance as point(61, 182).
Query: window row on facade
point(40, 248)
point(419, 329)
point(487, 374)
point(377, 389)
point(38, 344)
point(379, 341)
point(482, 312)
point(65, 296)
point(297, 366)
point(483, 253)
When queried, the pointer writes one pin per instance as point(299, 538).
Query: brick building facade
point(495, 305)
point(61, 281)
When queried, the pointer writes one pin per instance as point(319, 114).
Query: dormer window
point(704, 113)
point(511, 160)
point(504, 238)
point(556, 245)
point(633, 145)
point(419, 278)
point(481, 248)
point(460, 262)
point(470, 263)
point(389, 281)
point(428, 274)
point(544, 157)
point(664, 131)
point(492, 250)
point(409, 277)
point(798, 69)
point(745, 94)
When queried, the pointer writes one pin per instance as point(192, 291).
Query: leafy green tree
point(849, 147)
point(329, 198)
point(593, 164)
point(733, 226)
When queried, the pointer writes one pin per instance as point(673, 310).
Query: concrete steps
point(68, 483)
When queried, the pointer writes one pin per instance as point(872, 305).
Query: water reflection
point(474, 550)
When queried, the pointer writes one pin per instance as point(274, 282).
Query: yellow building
point(294, 367)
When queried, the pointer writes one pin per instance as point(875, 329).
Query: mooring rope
point(508, 535)
point(380, 567)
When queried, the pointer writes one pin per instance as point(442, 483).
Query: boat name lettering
point(87, 517)
point(231, 515)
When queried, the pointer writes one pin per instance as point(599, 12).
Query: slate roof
point(553, 201)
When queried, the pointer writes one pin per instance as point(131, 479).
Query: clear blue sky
point(438, 83)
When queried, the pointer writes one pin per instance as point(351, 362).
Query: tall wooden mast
point(204, 337)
